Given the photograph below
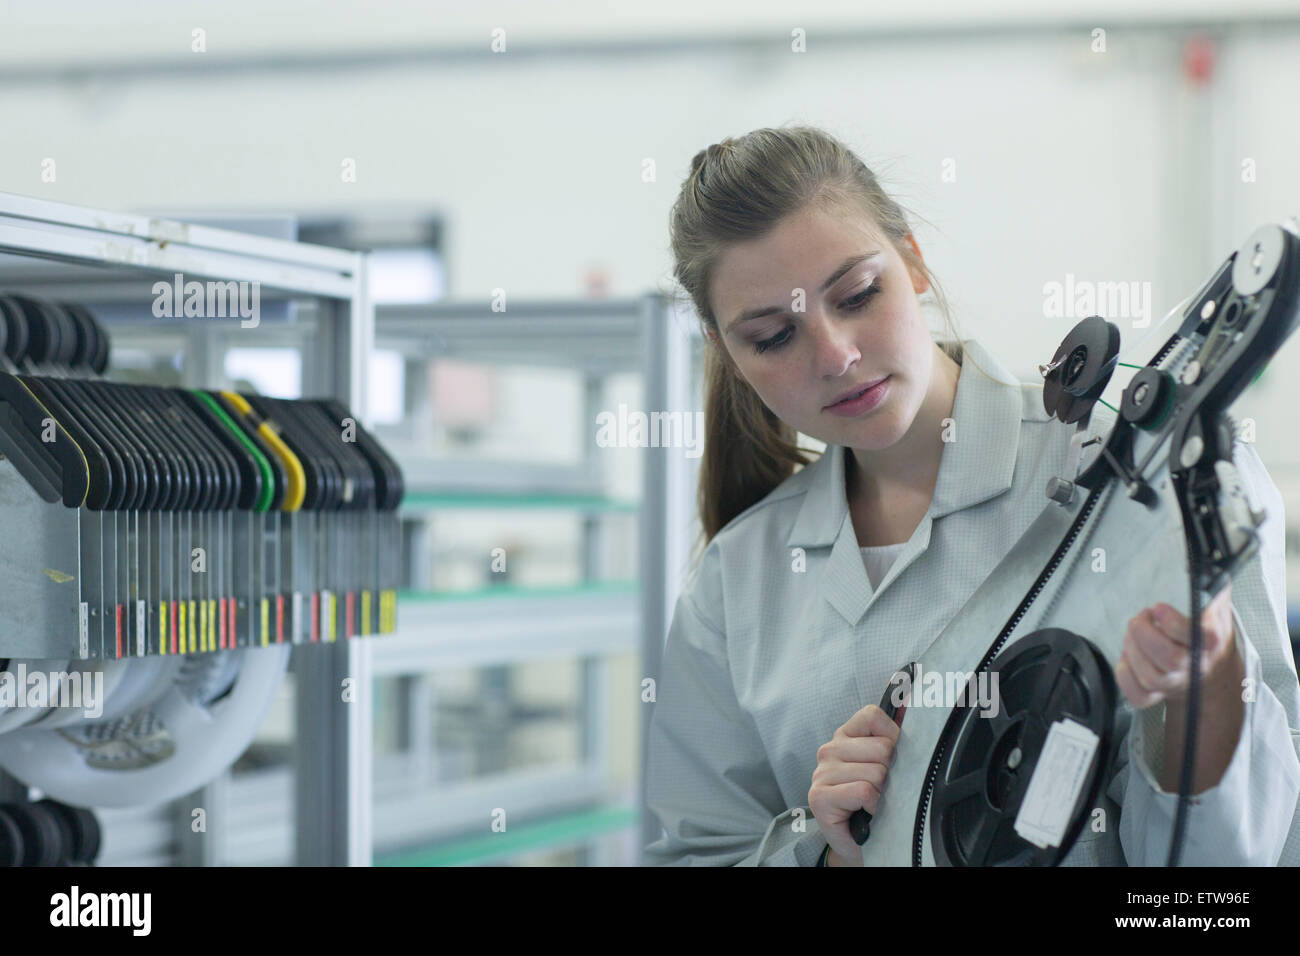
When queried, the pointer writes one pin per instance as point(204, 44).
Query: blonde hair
point(737, 190)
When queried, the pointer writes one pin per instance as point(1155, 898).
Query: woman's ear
point(919, 282)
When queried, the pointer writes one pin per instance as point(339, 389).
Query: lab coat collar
point(976, 466)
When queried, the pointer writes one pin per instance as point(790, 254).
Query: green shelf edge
point(528, 836)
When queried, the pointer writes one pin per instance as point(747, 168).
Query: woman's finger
point(833, 774)
point(850, 796)
point(1138, 696)
point(1164, 652)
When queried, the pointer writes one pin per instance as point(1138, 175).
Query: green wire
point(268, 481)
point(1109, 405)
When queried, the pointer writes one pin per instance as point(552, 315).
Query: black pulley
point(1148, 399)
point(990, 753)
point(1080, 369)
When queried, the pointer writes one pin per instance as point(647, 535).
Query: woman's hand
point(850, 776)
point(1155, 662)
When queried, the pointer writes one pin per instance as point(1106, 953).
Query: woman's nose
point(833, 345)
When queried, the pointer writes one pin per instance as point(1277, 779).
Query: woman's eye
point(775, 342)
point(859, 300)
point(855, 304)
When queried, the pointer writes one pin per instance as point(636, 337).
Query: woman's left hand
point(1154, 664)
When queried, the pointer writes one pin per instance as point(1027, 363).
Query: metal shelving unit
point(91, 256)
point(101, 258)
point(591, 621)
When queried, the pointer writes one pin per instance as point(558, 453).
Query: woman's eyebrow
point(833, 278)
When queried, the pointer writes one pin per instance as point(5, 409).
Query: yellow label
point(162, 628)
point(330, 612)
point(266, 622)
point(181, 621)
point(387, 611)
point(212, 624)
point(203, 625)
point(365, 613)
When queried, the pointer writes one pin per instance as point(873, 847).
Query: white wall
point(1067, 161)
point(1107, 166)
point(74, 33)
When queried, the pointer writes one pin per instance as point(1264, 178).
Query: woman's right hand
point(850, 776)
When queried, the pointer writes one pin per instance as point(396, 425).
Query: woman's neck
point(912, 463)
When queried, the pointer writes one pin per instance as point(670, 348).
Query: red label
point(315, 616)
point(279, 619)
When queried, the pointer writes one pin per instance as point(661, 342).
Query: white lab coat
point(778, 638)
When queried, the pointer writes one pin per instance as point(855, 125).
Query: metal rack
point(75, 254)
point(647, 335)
point(84, 255)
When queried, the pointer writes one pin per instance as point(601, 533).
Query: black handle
point(860, 821)
point(55, 469)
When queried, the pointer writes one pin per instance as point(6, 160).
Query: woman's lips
point(864, 402)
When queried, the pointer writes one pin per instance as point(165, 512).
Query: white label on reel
point(1058, 777)
point(139, 628)
point(83, 628)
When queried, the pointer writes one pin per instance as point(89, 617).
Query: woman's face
point(859, 322)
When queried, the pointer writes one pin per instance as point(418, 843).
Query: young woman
point(818, 583)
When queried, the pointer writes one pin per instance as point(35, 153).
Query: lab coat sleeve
point(708, 778)
point(1246, 818)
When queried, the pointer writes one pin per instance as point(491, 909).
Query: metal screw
point(1013, 759)
point(1192, 449)
point(1192, 372)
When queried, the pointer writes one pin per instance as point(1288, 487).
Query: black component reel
point(988, 761)
point(42, 835)
point(11, 840)
point(1080, 369)
point(81, 831)
point(47, 833)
